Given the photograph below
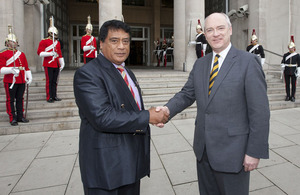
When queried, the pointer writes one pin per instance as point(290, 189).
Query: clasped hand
point(159, 115)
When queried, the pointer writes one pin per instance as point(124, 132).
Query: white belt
point(290, 65)
point(198, 43)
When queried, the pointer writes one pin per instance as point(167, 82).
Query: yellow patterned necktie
point(213, 73)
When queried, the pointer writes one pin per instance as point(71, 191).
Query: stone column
point(12, 12)
point(32, 35)
point(156, 20)
point(179, 34)
point(109, 10)
point(194, 10)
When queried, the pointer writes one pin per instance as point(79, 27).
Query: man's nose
point(216, 32)
point(121, 45)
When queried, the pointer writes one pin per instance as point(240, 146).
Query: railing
point(273, 53)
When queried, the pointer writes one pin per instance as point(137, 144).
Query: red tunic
point(7, 60)
point(46, 45)
point(88, 40)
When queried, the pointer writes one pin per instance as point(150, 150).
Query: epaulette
point(3, 50)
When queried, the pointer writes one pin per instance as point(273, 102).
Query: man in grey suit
point(232, 123)
point(114, 140)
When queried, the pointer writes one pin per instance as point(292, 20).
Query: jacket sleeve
point(99, 104)
point(258, 110)
point(183, 98)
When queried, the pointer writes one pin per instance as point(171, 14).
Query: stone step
point(46, 113)
point(42, 96)
point(44, 105)
point(277, 105)
point(274, 67)
point(277, 90)
point(276, 84)
point(153, 85)
point(157, 98)
point(42, 89)
point(158, 86)
point(280, 97)
point(40, 125)
point(160, 91)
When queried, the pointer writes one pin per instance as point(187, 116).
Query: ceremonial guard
point(201, 42)
point(290, 66)
point(50, 49)
point(157, 52)
point(164, 48)
point(172, 44)
point(256, 48)
point(14, 67)
point(88, 43)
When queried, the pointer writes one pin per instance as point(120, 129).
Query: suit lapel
point(225, 68)
point(206, 76)
point(119, 81)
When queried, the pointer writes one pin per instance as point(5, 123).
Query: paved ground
point(46, 163)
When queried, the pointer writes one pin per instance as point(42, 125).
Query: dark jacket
point(114, 140)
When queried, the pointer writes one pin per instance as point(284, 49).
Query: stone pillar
point(179, 34)
point(295, 16)
point(109, 10)
point(156, 19)
point(194, 10)
point(12, 12)
point(32, 36)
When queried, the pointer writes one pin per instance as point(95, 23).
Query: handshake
point(159, 115)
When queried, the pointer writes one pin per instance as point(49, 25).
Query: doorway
point(139, 47)
point(138, 53)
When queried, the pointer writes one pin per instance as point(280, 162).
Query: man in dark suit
point(114, 140)
point(232, 123)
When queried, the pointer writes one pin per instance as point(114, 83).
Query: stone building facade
point(273, 20)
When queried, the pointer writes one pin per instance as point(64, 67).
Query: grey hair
point(223, 14)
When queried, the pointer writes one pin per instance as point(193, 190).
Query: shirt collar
point(123, 64)
point(223, 53)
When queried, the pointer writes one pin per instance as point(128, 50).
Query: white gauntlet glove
point(192, 43)
point(28, 77)
point(48, 54)
point(89, 47)
point(61, 63)
point(262, 61)
point(10, 70)
point(297, 72)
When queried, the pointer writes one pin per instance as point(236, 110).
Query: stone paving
point(46, 163)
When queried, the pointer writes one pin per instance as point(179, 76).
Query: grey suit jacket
point(114, 140)
point(234, 119)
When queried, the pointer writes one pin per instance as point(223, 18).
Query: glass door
point(139, 47)
point(78, 30)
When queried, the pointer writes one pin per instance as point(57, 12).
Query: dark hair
point(112, 25)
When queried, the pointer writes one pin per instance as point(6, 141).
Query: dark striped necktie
point(213, 73)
